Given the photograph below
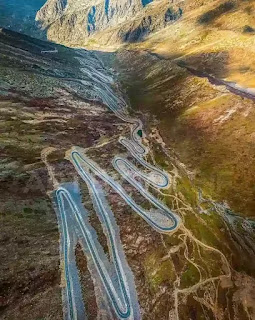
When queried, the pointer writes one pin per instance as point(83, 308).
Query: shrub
point(248, 29)
point(211, 15)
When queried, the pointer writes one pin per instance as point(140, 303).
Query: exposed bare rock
point(77, 23)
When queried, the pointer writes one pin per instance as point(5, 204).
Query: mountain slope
point(44, 108)
point(53, 98)
point(205, 99)
point(191, 85)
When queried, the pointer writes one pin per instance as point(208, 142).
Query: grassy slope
point(211, 128)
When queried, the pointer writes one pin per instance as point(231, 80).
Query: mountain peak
point(77, 23)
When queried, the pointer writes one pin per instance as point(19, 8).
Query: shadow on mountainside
point(215, 63)
point(161, 81)
point(25, 42)
point(202, 121)
point(150, 24)
point(211, 15)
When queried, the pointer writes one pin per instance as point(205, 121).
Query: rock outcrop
point(77, 23)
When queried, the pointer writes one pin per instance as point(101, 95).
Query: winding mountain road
point(118, 293)
point(113, 276)
point(162, 220)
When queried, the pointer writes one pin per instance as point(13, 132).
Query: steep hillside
point(196, 76)
point(44, 108)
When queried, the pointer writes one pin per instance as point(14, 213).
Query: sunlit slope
point(197, 77)
point(111, 23)
point(217, 38)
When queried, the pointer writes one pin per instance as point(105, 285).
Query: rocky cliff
point(77, 23)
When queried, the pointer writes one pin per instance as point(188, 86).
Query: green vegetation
point(190, 276)
point(161, 158)
point(186, 188)
point(158, 271)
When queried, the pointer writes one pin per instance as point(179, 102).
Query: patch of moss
point(186, 188)
point(158, 271)
point(171, 240)
point(190, 276)
point(27, 210)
